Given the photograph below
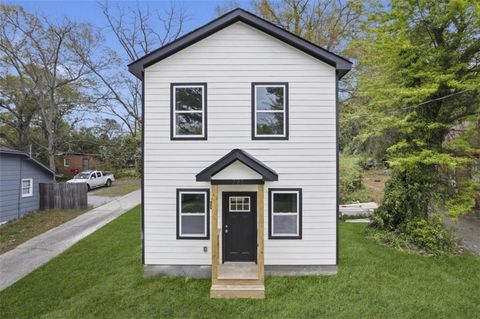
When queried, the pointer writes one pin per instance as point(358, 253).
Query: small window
point(239, 203)
point(27, 187)
point(285, 213)
point(270, 111)
point(99, 174)
point(193, 213)
point(92, 176)
point(66, 162)
point(189, 111)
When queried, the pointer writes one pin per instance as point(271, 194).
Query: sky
point(199, 11)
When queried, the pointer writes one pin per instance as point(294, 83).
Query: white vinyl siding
point(229, 61)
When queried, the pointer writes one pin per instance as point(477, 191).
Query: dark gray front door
point(239, 226)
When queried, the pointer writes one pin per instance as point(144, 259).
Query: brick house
point(72, 163)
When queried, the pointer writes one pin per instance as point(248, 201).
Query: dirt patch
point(374, 181)
point(119, 187)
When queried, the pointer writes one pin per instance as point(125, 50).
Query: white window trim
point(65, 162)
point(236, 210)
point(297, 213)
point(270, 111)
point(30, 190)
point(204, 214)
point(175, 112)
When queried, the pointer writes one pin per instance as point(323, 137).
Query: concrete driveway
point(27, 257)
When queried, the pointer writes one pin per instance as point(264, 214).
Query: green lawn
point(102, 277)
point(18, 231)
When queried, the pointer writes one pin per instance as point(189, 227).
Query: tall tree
point(136, 32)
point(423, 79)
point(42, 56)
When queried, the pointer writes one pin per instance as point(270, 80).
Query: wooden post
point(260, 234)
point(214, 230)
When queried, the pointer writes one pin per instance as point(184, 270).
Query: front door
point(239, 226)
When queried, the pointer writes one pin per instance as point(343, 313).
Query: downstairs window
point(193, 213)
point(285, 213)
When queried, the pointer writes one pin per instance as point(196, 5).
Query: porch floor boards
point(234, 270)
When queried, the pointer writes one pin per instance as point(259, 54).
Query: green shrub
point(430, 235)
point(407, 196)
point(127, 173)
point(425, 236)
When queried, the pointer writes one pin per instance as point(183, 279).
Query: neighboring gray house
point(20, 175)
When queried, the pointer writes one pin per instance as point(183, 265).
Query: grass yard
point(19, 231)
point(101, 276)
point(120, 187)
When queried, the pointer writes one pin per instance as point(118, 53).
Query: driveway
point(19, 262)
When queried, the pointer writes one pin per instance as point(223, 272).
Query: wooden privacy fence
point(63, 196)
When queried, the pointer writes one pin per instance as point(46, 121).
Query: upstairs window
point(270, 111)
point(285, 213)
point(189, 111)
point(193, 213)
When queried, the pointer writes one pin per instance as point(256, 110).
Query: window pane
point(285, 224)
point(269, 98)
point(188, 99)
point(269, 123)
point(285, 202)
point(26, 184)
point(193, 225)
point(189, 124)
point(193, 203)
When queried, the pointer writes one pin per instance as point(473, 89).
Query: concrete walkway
point(27, 257)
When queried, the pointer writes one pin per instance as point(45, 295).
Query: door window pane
point(239, 203)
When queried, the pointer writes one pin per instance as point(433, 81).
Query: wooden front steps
point(237, 291)
point(238, 280)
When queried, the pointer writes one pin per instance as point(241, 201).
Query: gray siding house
point(20, 176)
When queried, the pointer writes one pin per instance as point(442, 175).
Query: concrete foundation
point(205, 271)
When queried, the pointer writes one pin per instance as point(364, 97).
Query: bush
point(351, 188)
point(407, 196)
point(425, 236)
point(127, 173)
point(430, 235)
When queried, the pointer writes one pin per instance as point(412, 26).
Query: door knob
point(226, 231)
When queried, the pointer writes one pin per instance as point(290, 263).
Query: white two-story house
point(240, 155)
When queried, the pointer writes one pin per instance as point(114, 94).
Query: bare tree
point(42, 56)
point(137, 31)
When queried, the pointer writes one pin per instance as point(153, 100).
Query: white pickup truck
point(93, 179)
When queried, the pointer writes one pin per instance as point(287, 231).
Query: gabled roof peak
point(267, 173)
point(341, 64)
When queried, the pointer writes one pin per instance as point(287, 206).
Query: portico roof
point(267, 174)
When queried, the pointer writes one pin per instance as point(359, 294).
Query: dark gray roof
point(267, 173)
point(6, 150)
point(341, 64)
